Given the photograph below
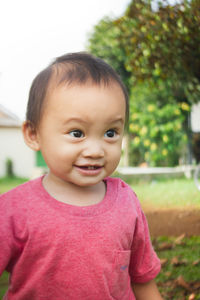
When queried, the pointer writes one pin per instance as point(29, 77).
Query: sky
point(34, 32)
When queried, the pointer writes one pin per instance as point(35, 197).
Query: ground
point(173, 222)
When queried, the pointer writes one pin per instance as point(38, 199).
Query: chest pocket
point(120, 279)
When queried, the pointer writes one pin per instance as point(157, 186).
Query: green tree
point(156, 52)
point(157, 131)
point(163, 44)
point(104, 42)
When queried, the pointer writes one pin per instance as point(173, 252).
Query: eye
point(110, 133)
point(76, 133)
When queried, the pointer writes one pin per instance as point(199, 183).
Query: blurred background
point(155, 47)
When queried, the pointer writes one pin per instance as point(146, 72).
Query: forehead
point(86, 98)
point(68, 89)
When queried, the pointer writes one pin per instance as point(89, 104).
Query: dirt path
point(173, 222)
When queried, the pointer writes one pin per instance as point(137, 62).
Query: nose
point(93, 149)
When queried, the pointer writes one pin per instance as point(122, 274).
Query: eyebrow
point(77, 119)
point(117, 120)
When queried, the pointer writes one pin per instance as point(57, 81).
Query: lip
point(89, 170)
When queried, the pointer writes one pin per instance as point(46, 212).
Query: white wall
point(195, 117)
point(12, 146)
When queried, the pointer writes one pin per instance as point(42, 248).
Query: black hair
point(71, 68)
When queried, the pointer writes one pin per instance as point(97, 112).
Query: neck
point(72, 194)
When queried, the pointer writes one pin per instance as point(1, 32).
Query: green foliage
point(4, 284)
point(9, 168)
point(157, 131)
point(155, 49)
point(163, 44)
point(104, 42)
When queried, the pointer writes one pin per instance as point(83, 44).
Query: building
point(195, 118)
point(12, 146)
point(195, 126)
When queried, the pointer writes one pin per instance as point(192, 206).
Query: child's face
point(80, 133)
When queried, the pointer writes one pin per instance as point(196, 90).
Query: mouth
point(89, 169)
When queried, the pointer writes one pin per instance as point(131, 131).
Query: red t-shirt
point(59, 251)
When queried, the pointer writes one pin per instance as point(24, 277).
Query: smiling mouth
point(89, 167)
point(89, 170)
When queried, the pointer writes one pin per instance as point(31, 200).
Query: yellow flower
point(153, 147)
point(177, 112)
point(151, 107)
point(164, 152)
point(131, 127)
point(134, 116)
point(143, 130)
point(136, 140)
point(178, 126)
point(134, 127)
point(165, 138)
point(146, 143)
point(185, 106)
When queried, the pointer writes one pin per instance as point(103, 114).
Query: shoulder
point(123, 191)
point(18, 194)
point(116, 182)
point(120, 185)
point(16, 205)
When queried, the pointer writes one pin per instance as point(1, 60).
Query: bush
point(158, 127)
point(9, 168)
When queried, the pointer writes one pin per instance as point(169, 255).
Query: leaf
point(196, 262)
point(180, 281)
point(163, 261)
point(165, 246)
point(192, 296)
point(168, 274)
point(179, 239)
point(196, 285)
point(177, 262)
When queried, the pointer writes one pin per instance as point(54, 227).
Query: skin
point(146, 291)
point(80, 137)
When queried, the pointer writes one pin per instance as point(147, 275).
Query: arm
point(148, 290)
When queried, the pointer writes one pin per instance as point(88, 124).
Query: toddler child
point(76, 233)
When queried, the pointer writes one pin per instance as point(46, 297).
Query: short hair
point(71, 68)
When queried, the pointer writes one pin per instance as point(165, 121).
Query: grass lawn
point(176, 193)
point(3, 284)
point(180, 275)
point(7, 184)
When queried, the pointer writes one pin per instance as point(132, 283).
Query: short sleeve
point(144, 264)
point(9, 233)
point(5, 236)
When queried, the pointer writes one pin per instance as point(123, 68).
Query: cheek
point(115, 154)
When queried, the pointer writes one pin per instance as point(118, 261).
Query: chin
point(88, 183)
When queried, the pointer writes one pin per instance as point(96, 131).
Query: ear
point(30, 135)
